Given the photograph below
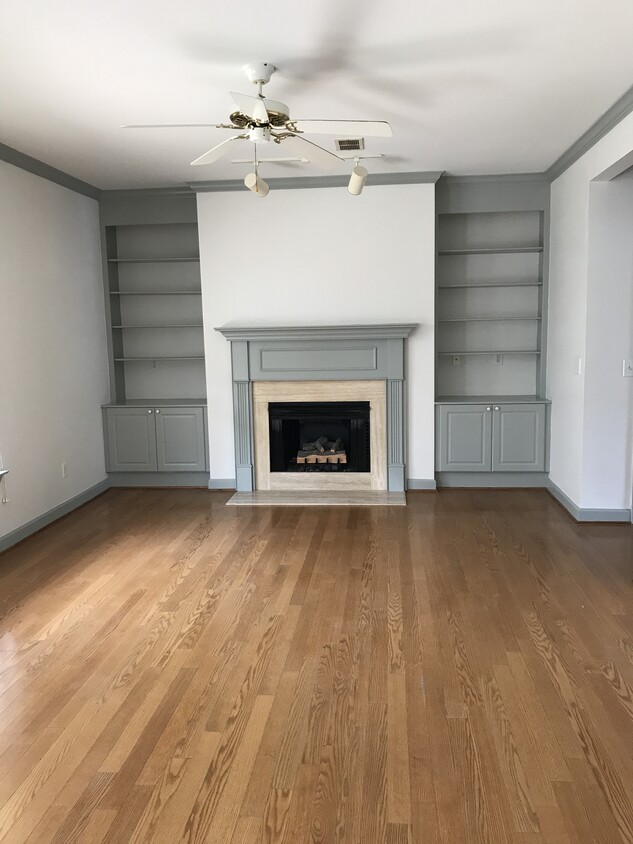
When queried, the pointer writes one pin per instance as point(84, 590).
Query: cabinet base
point(491, 480)
point(164, 479)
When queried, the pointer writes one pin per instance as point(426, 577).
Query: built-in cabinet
point(491, 314)
point(156, 421)
point(506, 437)
point(156, 439)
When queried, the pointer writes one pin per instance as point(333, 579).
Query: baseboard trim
point(222, 483)
point(159, 479)
point(39, 522)
point(492, 480)
point(584, 514)
point(421, 483)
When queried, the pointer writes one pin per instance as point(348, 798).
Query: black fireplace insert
point(294, 425)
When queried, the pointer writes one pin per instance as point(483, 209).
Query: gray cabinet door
point(518, 441)
point(465, 438)
point(180, 439)
point(131, 439)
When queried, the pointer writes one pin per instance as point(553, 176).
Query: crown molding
point(493, 178)
point(618, 111)
point(304, 182)
point(52, 174)
point(149, 193)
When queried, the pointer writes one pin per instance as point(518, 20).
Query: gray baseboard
point(52, 515)
point(583, 514)
point(221, 483)
point(492, 480)
point(159, 479)
point(421, 483)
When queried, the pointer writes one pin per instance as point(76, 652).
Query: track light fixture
point(253, 181)
point(256, 184)
point(357, 179)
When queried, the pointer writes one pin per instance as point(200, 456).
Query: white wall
point(319, 256)
point(607, 436)
point(53, 364)
point(577, 330)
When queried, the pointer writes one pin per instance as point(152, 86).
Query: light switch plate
point(627, 368)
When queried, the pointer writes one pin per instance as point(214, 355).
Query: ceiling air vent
point(349, 144)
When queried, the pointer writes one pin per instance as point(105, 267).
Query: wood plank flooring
point(459, 670)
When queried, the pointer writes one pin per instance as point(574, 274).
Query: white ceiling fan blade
point(217, 152)
point(178, 126)
point(251, 106)
point(314, 153)
point(367, 128)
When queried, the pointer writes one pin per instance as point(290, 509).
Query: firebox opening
point(319, 436)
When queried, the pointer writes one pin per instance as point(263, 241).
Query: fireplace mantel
point(365, 352)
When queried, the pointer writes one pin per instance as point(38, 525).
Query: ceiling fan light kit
point(260, 120)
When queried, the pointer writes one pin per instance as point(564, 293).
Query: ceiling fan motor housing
point(259, 72)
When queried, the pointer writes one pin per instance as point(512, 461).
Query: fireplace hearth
point(319, 436)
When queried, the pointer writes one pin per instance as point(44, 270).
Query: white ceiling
point(469, 86)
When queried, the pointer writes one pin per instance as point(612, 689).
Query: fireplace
point(355, 374)
point(319, 436)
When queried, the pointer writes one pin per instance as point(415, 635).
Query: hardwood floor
point(459, 670)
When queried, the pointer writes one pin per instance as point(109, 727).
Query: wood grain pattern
point(459, 671)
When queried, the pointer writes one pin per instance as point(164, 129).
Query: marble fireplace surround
point(284, 354)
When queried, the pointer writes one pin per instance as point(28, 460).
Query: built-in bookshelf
point(155, 311)
point(489, 303)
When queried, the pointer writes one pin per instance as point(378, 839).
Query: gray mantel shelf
point(366, 331)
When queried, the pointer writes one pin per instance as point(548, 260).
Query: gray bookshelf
point(155, 307)
point(489, 303)
point(491, 292)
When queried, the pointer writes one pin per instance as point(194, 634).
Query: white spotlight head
point(257, 185)
point(357, 180)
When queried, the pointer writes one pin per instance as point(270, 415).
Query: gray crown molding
point(492, 178)
point(603, 125)
point(366, 331)
point(303, 182)
point(52, 174)
point(149, 193)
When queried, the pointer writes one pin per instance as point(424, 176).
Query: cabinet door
point(180, 439)
point(131, 438)
point(465, 438)
point(518, 438)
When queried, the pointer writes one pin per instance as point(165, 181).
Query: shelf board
point(494, 250)
point(494, 319)
point(485, 284)
point(185, 402)
point(155, 292)
point(490, 352)
point(153, 260)
point(160, 357)
point(174, 325)
point(492, 399)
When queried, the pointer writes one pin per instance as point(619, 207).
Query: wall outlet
point(500, 360)
point(64, 469)
point(457, 361)
point(627, 368)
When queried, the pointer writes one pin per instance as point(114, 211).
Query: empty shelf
point(484, 284)
point(493, 319)
point(495, 250)
point(155, 292)
point(161, 357)
point(152, 260)
point(489, 352)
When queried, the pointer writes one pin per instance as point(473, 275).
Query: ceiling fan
point(261, 120)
